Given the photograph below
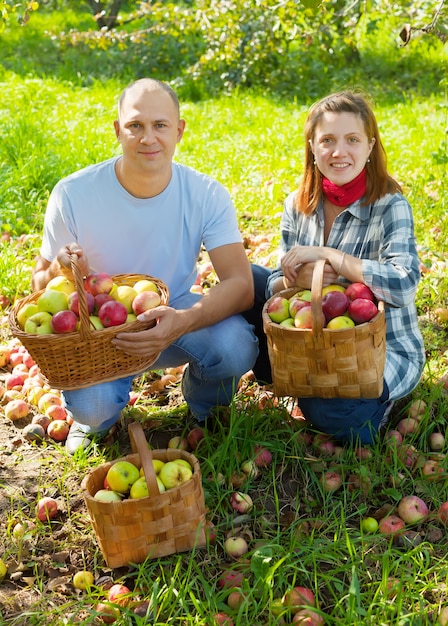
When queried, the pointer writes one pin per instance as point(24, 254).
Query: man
point(143, 213)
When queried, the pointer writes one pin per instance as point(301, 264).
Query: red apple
point(119, 594)
point(394, 437)
point(49, 399)
point(178, 443)
point(241, 502)
point(144, 301)
point(112, 314)
point(194, 437)
point(304, 319)
point(100, 299)
point(46, 509)
point(16, 409)
point(308, 617)
point(334, 303)
point(107, 612)
point(263, 457)
point(230, 578)
point(299, 596)
point(41, 420)
point(442, 513)
point(391, 525)
point(278, 309)
point(412, 509)
point(362, 310)
point(222, 619)
point(236, 599)
point(433, 470)
point(98, 283)
point(331, 481)
point(56, 412)
point(407, 426)
point(58, 430)
point(359, 290)
point(295, 304)
point(15, 381)
point(73, 302)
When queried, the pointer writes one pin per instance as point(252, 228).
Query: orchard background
point(246, 73)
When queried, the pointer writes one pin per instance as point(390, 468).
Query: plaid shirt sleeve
point(382, 235)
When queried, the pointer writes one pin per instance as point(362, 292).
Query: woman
point(349, 211)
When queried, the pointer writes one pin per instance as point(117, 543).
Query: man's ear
point(117, 129)
point(180, 130)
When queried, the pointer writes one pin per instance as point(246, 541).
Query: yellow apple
point(145, 285)
point(173, 474)
point(61, 283)
point(122, 475)
point(83, 580)
point(131, 318)
point(25, 312)
point(329, 288)
point(184, 462)
point(124, 294)
point(140, 488)
point(157, 465)
point(341, 321)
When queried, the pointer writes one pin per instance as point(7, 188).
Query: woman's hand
point(298, 266)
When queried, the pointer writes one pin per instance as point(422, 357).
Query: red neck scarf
point(345, 194)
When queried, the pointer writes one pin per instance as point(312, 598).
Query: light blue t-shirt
point(121, 234)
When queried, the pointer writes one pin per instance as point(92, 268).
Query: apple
point(64, 322)
point(41, 420)
point(263, 457)
point(33, 432)
point(144, 301)
point(178, 443)
point(369, 525)
point(157, 465)
point(436, 441)
point(407, 425)
point(362, 310)
point(58, 430)
point(412, 509)
point(107, 495)
point(235, 546)
point(130, 317)
point(73, 302)
point(341, 321)
point(289, 322)
point(305, 294)
point(417, 409)
point(3, 569)
point(194, 437)
point(172, 474)
point(96, 322)
point(222, 619)
point(98, 283)
point(442, 514)
point(330, 288)
point(391, 525)
point(303, 318)
point(359, 290)
point(107, 612)
point(52, 301)
point(433, 470)
point(47, 400)
point(278, 309)
point(184, 463)
point(112, 314)
point(125, 295)
point(331, 481)
point(61, 283)
point(39, 324)
point(295, 304)
point(24, 313)
point(83, 580)
point(241, 502)
point(250, 468)
point(298, 597)
point(16, 409)
point(46, 509)
point(15, 381)
point(308, 617)
point(230, 578)
point(121, 475)
point(56, 412)
point(99, 300)
point(334, 304)
point(145, 285)
point(139, 489)
point(236, 599)
point(119, 594)
point(394, 437)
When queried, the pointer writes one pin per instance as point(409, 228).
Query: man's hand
point(64, 260)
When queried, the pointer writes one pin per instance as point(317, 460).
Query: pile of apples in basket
point(56, 310)
point(342, 307)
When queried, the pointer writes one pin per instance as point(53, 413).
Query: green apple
point(288, 322)
point(52, 301)
point(61, 283)
point(184, 462)
point(131, 318)
point(96, 322)
point(122, 475)
point(157, 465)
point(39, 324)
point(341, 321)
point(140, 488)
point(107, 495)
point(25, 312)
point(369, 525)
point(124, 294)
point(173, 474)
point(145, 285)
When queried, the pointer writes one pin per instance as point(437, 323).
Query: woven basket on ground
point(87, 356)
point(131, 531)
point(325, 363)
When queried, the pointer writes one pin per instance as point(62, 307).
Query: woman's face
point(341, 146)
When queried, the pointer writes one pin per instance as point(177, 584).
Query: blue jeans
point(344, 419)
point(217, 357)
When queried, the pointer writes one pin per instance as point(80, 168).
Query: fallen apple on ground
point(46, 509)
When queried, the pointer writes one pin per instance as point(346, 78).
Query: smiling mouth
point(340, 166)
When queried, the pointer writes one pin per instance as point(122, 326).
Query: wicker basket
point(131, 531)
point(86, 356)
point(325, 363)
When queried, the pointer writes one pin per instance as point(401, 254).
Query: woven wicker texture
point(326, 363)
point(131, 531)
point(85, 357)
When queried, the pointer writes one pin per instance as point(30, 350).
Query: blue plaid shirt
point(382, 235)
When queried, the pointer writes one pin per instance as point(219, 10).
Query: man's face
point(148, 129)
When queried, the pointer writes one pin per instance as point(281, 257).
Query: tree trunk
point(106, 17)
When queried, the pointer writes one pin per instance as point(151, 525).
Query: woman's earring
point(368, 161)
point(314, 161)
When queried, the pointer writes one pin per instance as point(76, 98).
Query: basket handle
point(140, 445)
point(84, 319)
point(316, 297)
